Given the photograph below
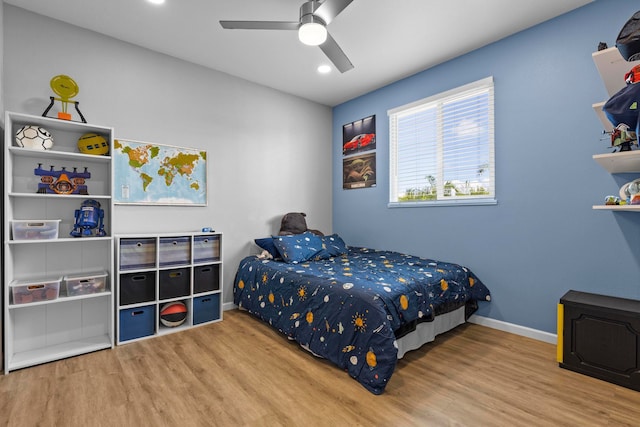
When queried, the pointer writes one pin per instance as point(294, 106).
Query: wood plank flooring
point(240, 372)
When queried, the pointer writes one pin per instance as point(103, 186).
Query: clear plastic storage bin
point(85, 284)
point(35, 229)
point(27, 291)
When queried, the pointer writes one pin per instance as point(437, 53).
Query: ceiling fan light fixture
point(312, 33)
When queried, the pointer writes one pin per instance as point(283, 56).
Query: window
point(441, 148)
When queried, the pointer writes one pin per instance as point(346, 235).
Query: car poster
point(359, 154)
point(359, 136)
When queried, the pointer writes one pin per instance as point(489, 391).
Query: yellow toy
point(66, 88)
point(92, 143)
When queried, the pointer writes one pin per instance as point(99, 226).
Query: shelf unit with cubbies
point(154, 271)
point(42, 321)
point(612, 67)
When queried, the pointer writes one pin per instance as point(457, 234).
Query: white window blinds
point(442, 148)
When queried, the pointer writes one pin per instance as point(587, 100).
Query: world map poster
point(148, 173)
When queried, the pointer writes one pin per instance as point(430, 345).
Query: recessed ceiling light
point(324, 69)
point(156, 1)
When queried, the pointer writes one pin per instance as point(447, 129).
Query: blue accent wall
point(542, 238)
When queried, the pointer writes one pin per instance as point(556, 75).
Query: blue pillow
point(334, 245)
point(298, 247)
point(266, 243)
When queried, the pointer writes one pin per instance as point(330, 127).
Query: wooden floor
point(240, 372)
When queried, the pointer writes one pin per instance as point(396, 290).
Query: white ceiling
point(386, 40)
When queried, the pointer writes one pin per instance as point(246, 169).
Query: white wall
point(268, 152)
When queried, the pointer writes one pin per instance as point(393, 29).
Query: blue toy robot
point(89, 217)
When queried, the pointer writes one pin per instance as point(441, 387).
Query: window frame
point(479, 86)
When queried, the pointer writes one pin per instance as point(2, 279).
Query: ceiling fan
point(312, 28)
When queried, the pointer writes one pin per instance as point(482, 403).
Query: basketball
point(35, 137)
point(92, 143)
point(173, 314)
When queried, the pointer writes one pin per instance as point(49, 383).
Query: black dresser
point(599, 336)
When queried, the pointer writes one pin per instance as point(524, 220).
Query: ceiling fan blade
point(259, 25)
point(336, 55)
point(329, 9)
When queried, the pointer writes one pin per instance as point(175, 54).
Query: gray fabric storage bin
point(137, 254)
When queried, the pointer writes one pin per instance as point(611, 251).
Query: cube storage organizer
point(154, 270)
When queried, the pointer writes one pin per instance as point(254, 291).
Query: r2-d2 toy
point(89, 220)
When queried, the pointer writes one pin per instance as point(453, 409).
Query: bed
point(360, 308)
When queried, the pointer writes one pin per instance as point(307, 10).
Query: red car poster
point(359, 155)
point(359, 136)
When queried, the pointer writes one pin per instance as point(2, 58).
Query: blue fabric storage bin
point(206, 308)
point(137, 322)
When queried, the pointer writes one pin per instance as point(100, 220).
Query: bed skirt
point(426, 332)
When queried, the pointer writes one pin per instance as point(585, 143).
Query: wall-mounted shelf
point(623, 162)
point(624, 208)
point(612, 68)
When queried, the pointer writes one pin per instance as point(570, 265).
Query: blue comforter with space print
point(347, 308)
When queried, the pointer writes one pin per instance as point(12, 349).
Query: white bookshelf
point(51, 329)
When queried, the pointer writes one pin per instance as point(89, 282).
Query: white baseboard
point(514, 329)
point(228, 306)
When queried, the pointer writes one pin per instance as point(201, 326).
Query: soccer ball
point(34, 137)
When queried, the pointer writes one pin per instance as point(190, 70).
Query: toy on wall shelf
point(633, 189)
point(66, 88)
point(612, 200)
point(89, 220)
point(623, 137)
point(62, 181)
